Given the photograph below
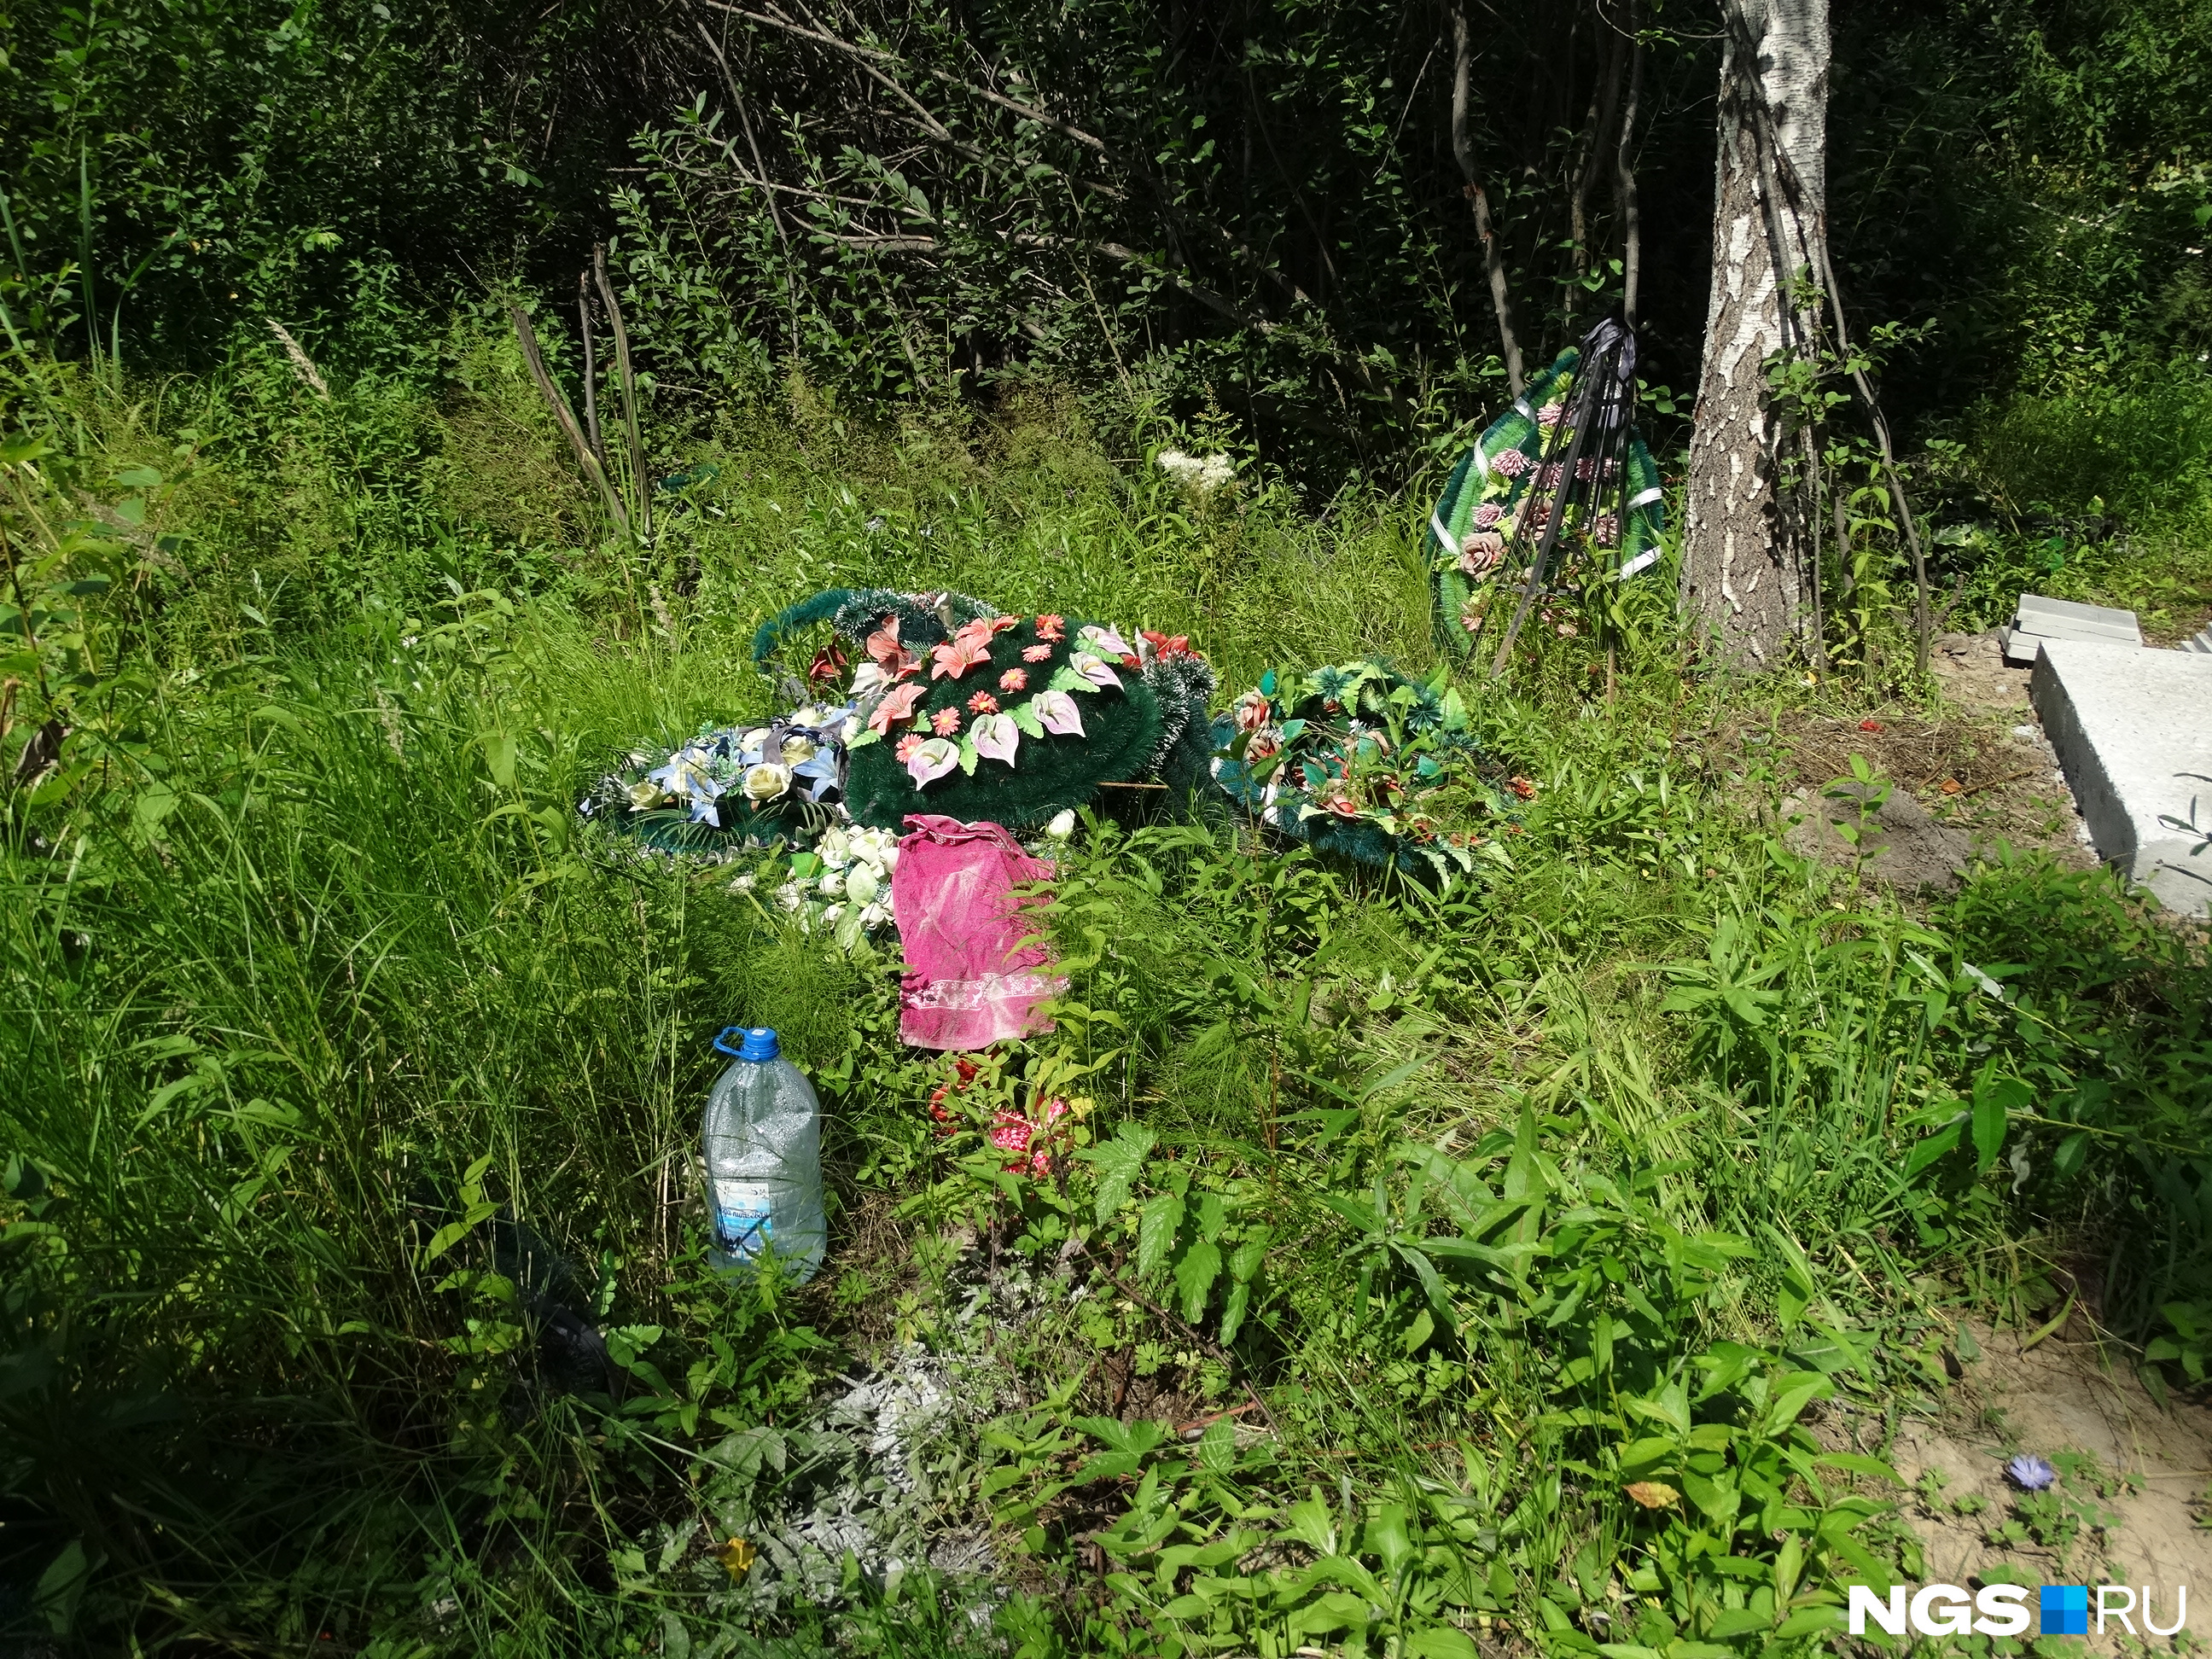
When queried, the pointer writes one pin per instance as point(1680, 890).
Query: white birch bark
point(1746, 561)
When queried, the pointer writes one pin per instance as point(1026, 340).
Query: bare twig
point(1493, 257)
point(591, 366)
point(1632, 234)
point(564, 417)
point(628, 384)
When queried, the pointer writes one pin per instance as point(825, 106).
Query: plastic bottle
point(763, 1139)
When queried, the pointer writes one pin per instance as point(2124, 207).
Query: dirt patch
point(2128, 1505)
point(1977, 774)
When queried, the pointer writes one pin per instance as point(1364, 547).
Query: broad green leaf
point(1158, 1223)
point(1195, 1270)
point(1118, 1162)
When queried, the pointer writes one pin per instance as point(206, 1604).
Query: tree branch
point(1493, 257)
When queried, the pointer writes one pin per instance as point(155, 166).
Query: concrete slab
point(2200, 642)
point(2133, 731)
point(2037, 618)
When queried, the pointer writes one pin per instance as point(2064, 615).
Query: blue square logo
point(2065, 1609)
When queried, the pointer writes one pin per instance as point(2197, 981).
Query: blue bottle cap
point(755, 1043)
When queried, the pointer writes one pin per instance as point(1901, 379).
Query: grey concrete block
point(2200, 642)
point(2133, 731)
point(2038, 619)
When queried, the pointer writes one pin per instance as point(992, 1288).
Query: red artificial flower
point(1052, 627)
point(883, 646)
point(829, 663)
point(967, 1071)
point(1522, 788)
point(936, 1096)
point(983, 704)
point(1014, 679)
point(1164, 646)
point(944, 722)
point(1000, 624)
point(1869, 726)
point(906, 745)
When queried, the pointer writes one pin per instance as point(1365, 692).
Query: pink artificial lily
point(896, 708)
point(957, 655)
point(1056, 712)
point(996, 737)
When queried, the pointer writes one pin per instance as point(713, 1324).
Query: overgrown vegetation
point(1542, 1261)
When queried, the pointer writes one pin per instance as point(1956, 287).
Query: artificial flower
point(1056, 712)
point(797, 749)
point(982, 703)
point(1036, 654)
point(931, 761)
point(643, 794)
point(905, 747)
point(1011, 1131)
point(705, 811)
point(1107, 641)
point(956, 657)
point(1014, 679)
point(869, 678)
point(896, 661)
point(1063, 822)
point(1052, 627)
point(861, 884)
point(1549, 474)
point(897, 707)
point(944, 722)
point(1523, 788)
point(1552, 414)
point(1489, 513)
point(1251, 711)
point(829, 663)
point(997, 737)
point(1509, 464)
point(1164, 644)
point(767, 780)
point(1605, 529)
point(1097, 672)
point(1266, 743)
point(1481, 552)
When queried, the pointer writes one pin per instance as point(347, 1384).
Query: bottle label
point(743, 1218)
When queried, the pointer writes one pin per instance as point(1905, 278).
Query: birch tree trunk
point(1747, 560)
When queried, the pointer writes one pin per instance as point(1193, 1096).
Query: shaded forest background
point(1253, 208)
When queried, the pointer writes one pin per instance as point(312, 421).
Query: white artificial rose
point(643, 794)
point(1062, 825)
point(797, 750)
point(767, 780)
point(861, 885)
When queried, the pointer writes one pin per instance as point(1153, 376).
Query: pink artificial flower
point(1509, 464)
point(906, 745)
point(983, 704)
point(1605, 529)
point(1266, 743)
point(1039, 1164)
point(883, 646)
point(956, 656)
point(1552, 414)
point(1481, 552)
point(1549, 474)
point(996, 737)
point(1098, 673)
point(1052, 627)
point(1251, 711)
point(1057, 713)
point(1036, 653)
point(944, 722)
point(1107, 641)
point(1014, 679)
point(1056, 1111)
point(1489, 513)
point(931, 761)
point(897, 707)
point(1011, 1133)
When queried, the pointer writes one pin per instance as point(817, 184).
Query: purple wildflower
point(2032, 1472)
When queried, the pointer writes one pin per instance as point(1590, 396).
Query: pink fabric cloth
point(972, 982)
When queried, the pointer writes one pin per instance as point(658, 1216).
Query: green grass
point(1479, 1202)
